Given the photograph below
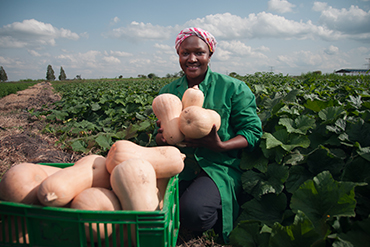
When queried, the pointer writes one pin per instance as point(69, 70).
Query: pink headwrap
point(202, 34)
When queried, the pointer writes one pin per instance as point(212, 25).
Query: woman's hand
point(213, 142)
point(159, 139)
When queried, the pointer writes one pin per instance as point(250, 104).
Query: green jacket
point(235, 103)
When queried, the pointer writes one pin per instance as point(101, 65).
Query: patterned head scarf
point(202, 34)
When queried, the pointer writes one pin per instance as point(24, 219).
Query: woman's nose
point(192, 57)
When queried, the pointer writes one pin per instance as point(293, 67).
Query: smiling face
point(194, 56)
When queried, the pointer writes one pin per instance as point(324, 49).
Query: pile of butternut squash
point(185, 118)
point(130, 177)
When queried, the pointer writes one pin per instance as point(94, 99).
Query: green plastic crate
point(65, 227)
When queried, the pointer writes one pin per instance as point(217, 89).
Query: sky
point(107, 39)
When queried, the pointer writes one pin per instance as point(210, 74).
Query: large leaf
point(258, 184)
point(359, 131)
point(268, 209)
point(359, 235)
point(299, 125)
point(322, 198)
point(325, 159)
point(254, 159)
point(301, 233)
point(318, 105)
point(249, 234)
point(331, 114)
point(285, 140)
point(297, 176)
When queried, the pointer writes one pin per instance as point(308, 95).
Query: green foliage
point(3, 75)
point(50, 73)
point(308, 179)
point(7, 88)
point(62, 75)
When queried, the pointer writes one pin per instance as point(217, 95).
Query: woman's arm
point(213, 142)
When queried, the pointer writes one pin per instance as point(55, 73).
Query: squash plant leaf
point(331, 114)
point(285, 140)
point(359, 131)
point(301, 233)
point(325, 159)
point(359, 235)
point(104, 141)
point(322, 198)
point(249, 234)
point(268, 209)
point(254, 159)
point(258, 184)
point(317, 105)
point(300, 125)
point(297, 176)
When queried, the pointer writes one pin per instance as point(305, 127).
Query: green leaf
point(297, 176)
point(258, 184)
point(300, 125)
point(322, 198)
point(317, 105)
point(104, 141)
point(323, 159)
point(268, 209)
point(285, 140)
point(249, 234)
point(357, 170)
point(95, 107)
point(359, 131)
point(253, 159)
point(359, 235)
point(301, 233)
point(331, 114)
point(78, 146)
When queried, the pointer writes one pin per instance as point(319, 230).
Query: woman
point(210, 181)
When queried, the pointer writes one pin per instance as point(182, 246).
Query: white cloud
point(280, 6)
point(89, 59)
point(331, 50)
point(121, 54)
point(352, 21)
point(111, 59)
point(116, 19)
point(32, 33)
point(34, 53)
point(140, 31)
point(319, 6)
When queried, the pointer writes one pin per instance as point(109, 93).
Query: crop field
point(306, 184)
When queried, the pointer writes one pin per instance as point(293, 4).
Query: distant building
point(353, 71)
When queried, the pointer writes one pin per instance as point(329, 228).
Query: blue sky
point(106, 39)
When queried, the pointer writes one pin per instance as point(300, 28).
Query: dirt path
point(21, 138)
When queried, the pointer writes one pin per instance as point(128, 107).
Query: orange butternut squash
point(100, 199)
point(197, 122)
point(192, 96)
point(134, 183)
point(60, 188)
point(167, 108)
point(166, 160)
point(21, 182)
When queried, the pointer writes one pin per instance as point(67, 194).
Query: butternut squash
point(21, 182)
point(192, 96)
point(134, 183)
point(162, 186)
point(197, 122)
point(167, 108)
point(60, 188)
point(13, 230)
point(50, 170)
point(166, 160)
point(100, 199)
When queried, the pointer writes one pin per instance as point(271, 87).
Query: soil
point(22, 140)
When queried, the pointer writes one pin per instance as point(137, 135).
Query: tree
point(50, 73)
point(152, 76)
point(3, 76)
point(62, 75)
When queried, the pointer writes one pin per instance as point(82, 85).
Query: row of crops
point(307, 182)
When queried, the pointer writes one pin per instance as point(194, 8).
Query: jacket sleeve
point(244, 118)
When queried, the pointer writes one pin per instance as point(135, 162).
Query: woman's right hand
point(159, 139)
